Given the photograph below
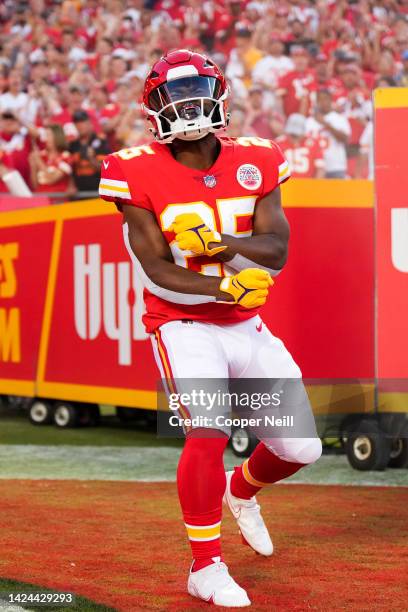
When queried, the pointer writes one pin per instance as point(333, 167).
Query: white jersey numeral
point(231, 213)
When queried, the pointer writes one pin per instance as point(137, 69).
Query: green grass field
point(13, 587)
point(16, 429)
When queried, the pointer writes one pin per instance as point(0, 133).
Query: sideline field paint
point(142, 464)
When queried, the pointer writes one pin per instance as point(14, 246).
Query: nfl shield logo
point(210, 181)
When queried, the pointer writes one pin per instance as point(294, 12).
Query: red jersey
point(334, 85)
point(62, 161)
point(109, 110)
point(305, 157)
point(225, 196)
point(296, 85)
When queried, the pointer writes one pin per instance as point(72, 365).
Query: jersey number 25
point(232, 216)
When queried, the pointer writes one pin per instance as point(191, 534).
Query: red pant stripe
point(165, 361)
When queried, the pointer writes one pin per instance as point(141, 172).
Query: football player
point(203, 222)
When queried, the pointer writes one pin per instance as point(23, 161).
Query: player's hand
point(249, 288)
point(192, 234)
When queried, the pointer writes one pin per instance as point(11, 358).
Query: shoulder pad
point(254, 141)
point(134, 152)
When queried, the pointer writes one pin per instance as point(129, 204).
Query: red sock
point(262, 468)
point(201, 486)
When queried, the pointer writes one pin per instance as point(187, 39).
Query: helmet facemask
point(187, 108)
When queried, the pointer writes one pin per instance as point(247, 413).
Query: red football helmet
point(185, 97)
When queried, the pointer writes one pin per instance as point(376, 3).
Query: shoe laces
point(222, 569)
point(249, 504)
point(254, 508)
point(219, 565)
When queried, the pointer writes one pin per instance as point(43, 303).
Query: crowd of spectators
point(300, 71)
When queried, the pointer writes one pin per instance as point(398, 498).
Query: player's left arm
point(268, 245)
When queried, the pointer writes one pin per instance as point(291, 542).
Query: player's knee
point(296, 450)
point(308, 452)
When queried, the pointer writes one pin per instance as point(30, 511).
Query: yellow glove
point(192, 234)
point(249, 288)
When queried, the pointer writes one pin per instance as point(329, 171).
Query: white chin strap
point(196, 135)
point(186, 129)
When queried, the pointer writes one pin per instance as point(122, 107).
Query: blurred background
point(72, 72)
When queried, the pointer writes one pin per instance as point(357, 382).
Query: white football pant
point(189, 350)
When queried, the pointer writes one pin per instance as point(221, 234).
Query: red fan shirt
point(62, 161)
point(296, 86)
point(305, 157)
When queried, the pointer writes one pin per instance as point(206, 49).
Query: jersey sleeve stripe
point(284, 177)
point(106, 191)
point(284, 172)
point(115, 183)
point(103, 185)
point(283, 168)
point(114, 188)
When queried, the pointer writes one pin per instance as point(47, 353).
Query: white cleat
point(250, 522)
point(214, 585)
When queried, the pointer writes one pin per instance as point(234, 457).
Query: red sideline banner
point(391, 174)
point(71, 302)
point(24, 265)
